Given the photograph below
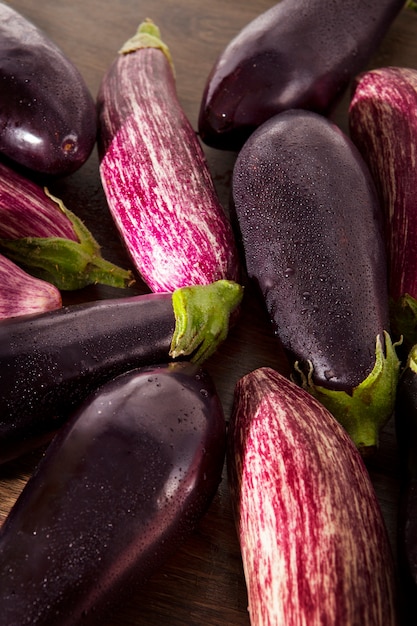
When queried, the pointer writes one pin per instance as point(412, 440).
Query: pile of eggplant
point(133, 426)
point(134, 431)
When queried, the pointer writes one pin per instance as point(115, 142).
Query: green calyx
point(412, 359)
point(367, 409)
point(147, 35)
point(403, 314)
point(65, 263)
point(202, 314)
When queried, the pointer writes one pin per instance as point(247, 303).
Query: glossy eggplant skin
point(49, 363)
point(47, 113)
point(118, 490)
point(297, 54)
point(406, 431)
point(311, 228)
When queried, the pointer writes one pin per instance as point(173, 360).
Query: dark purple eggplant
point(311, 229)
point(406, 431)
point(47, 113)
point(50, 362)
point(121, 487)
point(297, 54)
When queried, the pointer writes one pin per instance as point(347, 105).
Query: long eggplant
point(50, 362)
point(406, 431)
point(118, 490)
point(311, 228)
point(383, 125)
point(314, 544)
point(39, 233)
point(22, 294)
point(154, 173)
point(298, 54)
point(47, 113)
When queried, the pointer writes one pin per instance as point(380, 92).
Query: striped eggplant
point(314, 544)
point(406, 431)
point(154, 173)
point(297, 54)
point(311, 230)
point(22, 294)
point(383, 124)
point(120, 488)
point(48, 240)
point(50, 362)
point(47, 114)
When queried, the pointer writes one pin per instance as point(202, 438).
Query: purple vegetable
point(154, 173)
point(22, 294)
point(118, 490)
point(314, 544)
point(297, 54)
point(48, 240)
point(47, 114)
point(383, 125)
point(311, 229)
point(49, 363)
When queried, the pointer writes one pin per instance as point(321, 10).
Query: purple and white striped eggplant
point(48, 240)
point(313, 540)
point(155, 175)
point(23, 294)
point(383, 124)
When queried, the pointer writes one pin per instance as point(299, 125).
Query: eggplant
point(119, 489)
point(314, 544)
point(310, 225)
point(40, 234)
point(155, 175)
point(50, 362)
point(22, 294)
point(383, 125)
point(47, 113)
point(297, 54)
point(406, 432)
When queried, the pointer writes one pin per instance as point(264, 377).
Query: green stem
point(403, 314)
point(367, 409)
point(202, 314)
point(147, 35)
point(66, 263)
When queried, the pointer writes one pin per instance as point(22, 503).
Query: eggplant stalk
point(67, 263)
point(364, 411)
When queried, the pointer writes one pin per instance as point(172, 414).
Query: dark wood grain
point(203, 583)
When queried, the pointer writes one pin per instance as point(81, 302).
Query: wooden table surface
point(203, 583)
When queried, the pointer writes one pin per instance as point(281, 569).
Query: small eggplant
point(406, 430)
point(298, 54)
point(154, 173)
point(47, 114)
point(314, 544)
point(22, 294)
point(50, 362)
point(118, 490)
point(383, 125)
point(48, 240)
point(311, 229)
